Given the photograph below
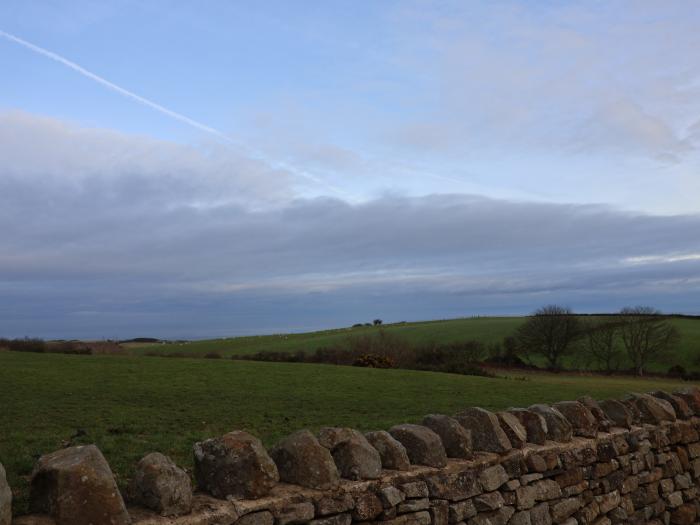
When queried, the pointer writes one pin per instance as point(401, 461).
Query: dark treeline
point(617, 314)
point(36, 345)
point(639, 336)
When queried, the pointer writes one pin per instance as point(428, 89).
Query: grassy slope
point(485, 329)
point(133, 405)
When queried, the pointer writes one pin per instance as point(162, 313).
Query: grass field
point(484, 329)
point(129, 406)
point(487, 329)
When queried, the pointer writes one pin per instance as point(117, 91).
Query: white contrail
point(153, 105)
point(114, 87)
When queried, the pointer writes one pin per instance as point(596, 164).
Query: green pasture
point(130, 406)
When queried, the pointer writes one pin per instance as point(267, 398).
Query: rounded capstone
point(652, 409)
point(680, 406)
point(593, 405)
point(513, 428)
point(356, 459)
point(330, 437)
point(393, 454)
point(633, 409)
point(617, 412)
point(235, 465)
point(75, 486)
point(582, 420)
point(535, 425)
point(455, 438)
point(423, 446)
point(486, 431)
point(302, 460)
point(160, 485)
point(5, 499)
point(691, 396)
point(558, 427)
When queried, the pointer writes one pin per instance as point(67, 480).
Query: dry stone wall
point(634, 460)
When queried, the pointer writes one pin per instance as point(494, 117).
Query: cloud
point(114, 87)
point(624, 126)
point(596, 78)
point(200, 242)
point(44, 155)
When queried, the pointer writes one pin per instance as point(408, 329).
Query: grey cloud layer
point(105, 232)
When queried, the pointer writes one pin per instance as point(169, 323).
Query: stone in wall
point(424, 447)
point(302, 460)
point(356, 459)
point(534, 424)
point(680, 407)
point(593, 405)
point(517, 435)
point(334, 504)
point(234, 465)
point(692, 397)
point(331, 437)
point(160, 485)
point(491, 478)
point(33, 519)
point(631, 405)
point(487, 434)
point(262, 517)
point(456, 439)
point(652, 409)
point(75, 486)
point(368, 506)
point(392, 453)
point(294, 513)
point(579, 416)
point(354, 456)
point(558, 427)
point(617, 412)
point(5, 499)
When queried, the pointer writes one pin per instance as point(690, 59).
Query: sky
point(190, 170)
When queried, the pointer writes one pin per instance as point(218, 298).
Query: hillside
point(485, 329)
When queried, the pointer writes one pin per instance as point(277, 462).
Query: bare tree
point(647, 335)
point(603, 343)
point(550, 332)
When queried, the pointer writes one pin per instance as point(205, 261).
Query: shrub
point(386, 350)
point(506, 354)
point(373, 361)
point(212, 355)
point(74, 348)
point(440, 355)
point(24, 345)
point(454, 358)
point(677, 371)
point(467, 369)
point(179, 354)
